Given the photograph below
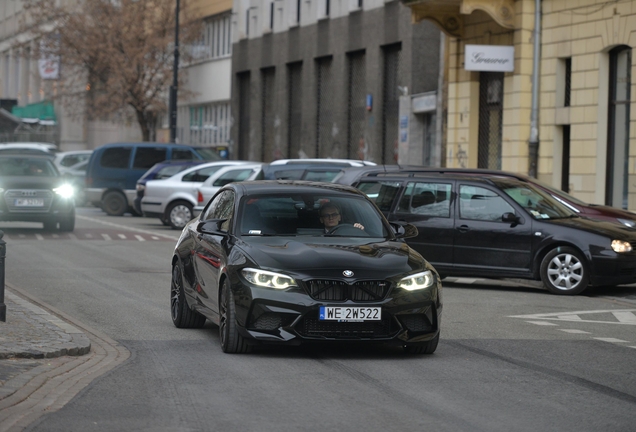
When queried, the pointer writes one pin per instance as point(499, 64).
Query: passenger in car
point(330, 217)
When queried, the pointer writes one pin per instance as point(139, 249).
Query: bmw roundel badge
point(347, 273)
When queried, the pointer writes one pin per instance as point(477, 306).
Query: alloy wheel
point(175, 291)
point(565, 271)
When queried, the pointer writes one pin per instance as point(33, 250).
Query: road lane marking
point(106, 237)
point(154, 237)
point(39, 237)
point(569, 317)
point(543, 323)
point(574, 331)
point(622, 317)
point(72, 236)
point(626, 317)
point(611, 340)
point(140, 238)
point(55, 236)
point(127, 228)
point(121, 236)
point(89, 235)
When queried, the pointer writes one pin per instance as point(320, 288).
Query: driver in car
point(330, 217)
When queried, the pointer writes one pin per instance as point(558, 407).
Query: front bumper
point(610, 268)
point(55, 209)
point(292, 317)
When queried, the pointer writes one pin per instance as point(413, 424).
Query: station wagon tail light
point(268, 279)
point(65, 191)
point(417, 281)
point(620, 246)
point(200, 197)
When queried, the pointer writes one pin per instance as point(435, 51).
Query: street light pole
point(175, 80)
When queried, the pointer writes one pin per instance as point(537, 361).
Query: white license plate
point(29, 202)
point(350, 313)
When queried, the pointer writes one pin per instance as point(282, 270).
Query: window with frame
point(482, 204)
point(146, 157)
point(116, 157)
point(426, 199)
point(200, 175)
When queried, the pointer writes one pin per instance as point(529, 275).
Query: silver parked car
point(172, 199)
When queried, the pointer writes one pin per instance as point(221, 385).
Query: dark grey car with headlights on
point(259, 263)
point(33, 190)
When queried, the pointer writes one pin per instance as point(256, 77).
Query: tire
point(164, 222)
point(49, 226)
point(423, 348)
point(231, 341)
point(114, 203)
point(178, 214)
point(68, 225)
point(182, 315)
point(564, 271)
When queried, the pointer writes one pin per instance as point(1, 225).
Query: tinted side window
point(182, 154)
point(116, 157)
point(427, 199)
point(383, 193)
point(200, 175)
point(222, 207)
point(233, 176)
point(482, 204)
point(146, 157)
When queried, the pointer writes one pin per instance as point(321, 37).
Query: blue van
point(113, 170)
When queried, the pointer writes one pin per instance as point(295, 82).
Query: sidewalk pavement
point(32, 332)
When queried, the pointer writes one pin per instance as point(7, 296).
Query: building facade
point(204, 115)
point(583, 142)
point(334, 78)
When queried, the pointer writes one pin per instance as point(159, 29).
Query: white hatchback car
point(222, 177)
point(172, 199)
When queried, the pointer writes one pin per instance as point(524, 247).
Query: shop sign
point(489, 58)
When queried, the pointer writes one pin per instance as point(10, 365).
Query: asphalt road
point(510, 357)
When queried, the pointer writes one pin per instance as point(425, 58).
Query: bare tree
point(116, 56)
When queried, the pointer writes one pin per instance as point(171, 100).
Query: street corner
point(32, 332)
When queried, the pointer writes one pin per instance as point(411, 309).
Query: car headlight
point(627, 222)
point(65, 191)
point(267, 279)
point(417, 281)
point(620, 246)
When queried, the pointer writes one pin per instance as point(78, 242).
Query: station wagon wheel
point(564, 271)
point(179, 213)
point(182, 315)
point(231, 341)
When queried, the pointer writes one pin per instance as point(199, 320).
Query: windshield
point(540, 204)
point(208, 154)
point(559, 193)
point(310, 214)
point(26, 167)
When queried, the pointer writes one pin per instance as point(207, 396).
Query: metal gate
point(294, 110)
point(244, 116)
point(490, 119)
point(324, 110)
point(356, 109)
point(268, 147)
point(390, 105)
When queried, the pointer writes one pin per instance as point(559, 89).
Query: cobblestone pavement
point(32, 332)
point(46, 360)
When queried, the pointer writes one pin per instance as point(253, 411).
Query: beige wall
point(585, 30)
point(205, 8)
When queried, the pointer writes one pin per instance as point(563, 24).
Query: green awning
point(36, 111)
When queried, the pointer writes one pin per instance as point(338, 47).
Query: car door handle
point(463, 228)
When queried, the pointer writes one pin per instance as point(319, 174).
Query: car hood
point(24, 182)
point(614, 230)
point(330, 256)
point(594, 209)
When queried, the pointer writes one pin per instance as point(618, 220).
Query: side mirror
point(211, 226)
point(404, 230)
point(510, 217)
